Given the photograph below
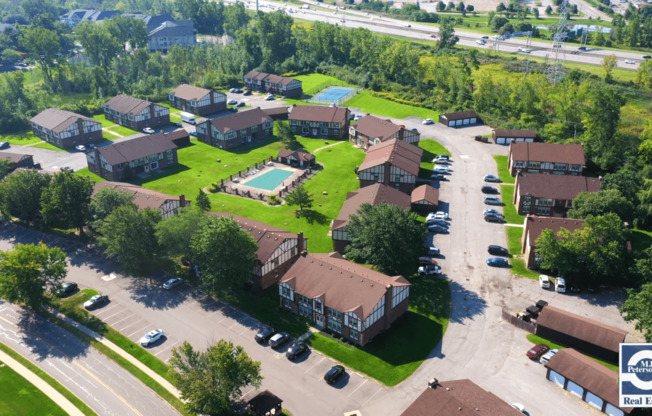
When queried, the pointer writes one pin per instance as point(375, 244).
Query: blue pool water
point(332, 94)
point(269, 180)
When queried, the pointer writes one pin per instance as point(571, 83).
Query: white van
point(188, 118)
point(560, 285)
point(544, 281)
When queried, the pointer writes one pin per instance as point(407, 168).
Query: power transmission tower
point(497, 44)
point(585, 37)
point(554, 70)
point(527, 67)
point(528, 41)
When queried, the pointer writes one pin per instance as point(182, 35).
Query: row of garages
point(470, 118)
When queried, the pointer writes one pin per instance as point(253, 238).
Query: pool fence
point(339, 101)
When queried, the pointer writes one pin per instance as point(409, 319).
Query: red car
point(537, 351)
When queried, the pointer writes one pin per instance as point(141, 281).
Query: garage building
point(460, 119)
point(425, 199)
point(590, 381)
point(508, 136)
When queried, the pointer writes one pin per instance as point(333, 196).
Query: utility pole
point(554, 70)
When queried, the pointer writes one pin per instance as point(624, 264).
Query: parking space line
point(138, 330)
point(116, 322)
point(314, 366)
point(167, 348)
point(372, 396)
point(110, 308)
point(356, 389)
point(135, 322)
point(111, 316)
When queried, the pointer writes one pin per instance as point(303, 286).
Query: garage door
point(458, 123)
point(575, 389)
point(612, 410)
point(451, 124)
point(500, 140)
point(466, 121)
point(557, 378)
point(473, 121)
point(594, 400)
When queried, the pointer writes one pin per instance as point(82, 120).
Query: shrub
point(273, 200)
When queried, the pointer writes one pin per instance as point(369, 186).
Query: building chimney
point(182, 200)
point(301, 243)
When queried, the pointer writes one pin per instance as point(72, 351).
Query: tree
point(600, 203)
point(175, 233)
point(644, 73)
point(128, 30)
point(27, 271)
point(460, 7)
point(66, 201)
point(104, 202)
point(210, 381)
point(287, 136)
point(21, 194)
point(301, 197)
point(608, 64)
point(549, 10)
point(447, 38)
point(6, 166)
point(99, 43)
point(637, 307)
point(42, 45)
point(379, 232)
point(536, 12)
point(470, 8)
point(501, 7)
point(441, 6)
point(128, 236)
point(202, 202)
point(223, 252)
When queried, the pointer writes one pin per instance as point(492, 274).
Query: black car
point(334, 373)
point(489, 190)
point(67, 288)
point(493, 218)
point(279, 339)
point(264, 335)
point(647, 56)
point(4, 145)
point(246, 92)
point(498, 250)
point(296, 350)
point(96, 301)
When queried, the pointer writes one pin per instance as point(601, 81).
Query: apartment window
point(544, 202)
point(354, 322)
point(561, 166)
point(334, 325)
point(354, 335)
point(304, 310)
point(376, 314)
point(287, 303)
point(304, 300)
point(286, 292)
point(335, 314)
point(399, 295)
point(543, 211)
point(318, 305)
point(533, 165)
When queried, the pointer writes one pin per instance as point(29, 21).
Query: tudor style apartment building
point(319, 121)
point(550, 195)
point(394, 163)
point(236, 129)
point(197, 100)
point(135, 113)
point(554, 158)
point(371, 130)
point(273, 84)
point(65, 129)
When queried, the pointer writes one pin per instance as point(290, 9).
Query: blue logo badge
point(635, 375)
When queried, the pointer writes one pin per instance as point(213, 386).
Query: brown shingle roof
point(241, 120)
point(548, 152)
point(534, 225)
point(582, 328)
point(276, 111)
point(377, 128)
point(403, 155)
point(589, 374)
point(374, 195)
point(251, 74)
point(460, 115)
point(300, 154)
point(190, 92)
point(319, 113)
point(58, 120)
point(425, 193)
point(136, 148)
point(127, 105)
point(515, 133)
point(14, 157)
point(565, 187)
point(459, 398)
point(143, 197)
point(344, 286)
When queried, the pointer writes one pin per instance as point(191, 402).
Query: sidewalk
point(40, 384)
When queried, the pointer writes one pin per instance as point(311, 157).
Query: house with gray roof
point(371, 130)
point(75, 17)
point(319, 120)
point(136, 113)
point(235, 129)
point(65, 129)
point(394, 163)
point(197, 100)
point(129, 158)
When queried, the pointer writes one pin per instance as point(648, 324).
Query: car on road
point(436, 228)
point(548, 356)
point(172, 283)
point(480, 41)
point(269, 98)
point(630, 61)
point(491, 211)
point(491, 178)
point(151, 337)
point(497, 262)
point(560, 285)
point(433, 251)
point(438, 177)
point(544, 281)
point(264, 335)
point(647, 56)
point(148, 130)
point(428, 121)
point(497, 250)
point(67, 289)
point(485, 37)
point(279, 339)
point(537, 351)
point(232, 102)
point(494, 218)
point(96, 301)
point(81, 148)
point(296, 350)
point(492, 200)
point(4, 145)
point(524, 50)
point(334, 373)
point(430, 270)
point(489, 190)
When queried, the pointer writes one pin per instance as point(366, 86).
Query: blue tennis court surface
point(269, 180)
point(333, 94)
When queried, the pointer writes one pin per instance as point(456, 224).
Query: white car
point(433, 251)
point(524, 50)
point(629, 61)
point(148, 130)
point(429, 270)
point(544, 281)
point(441, 160)
point(519, 407)
point(440, 169)
point(172, 283)
point(439, 215)
point(151, 337)
point(480, 41)
point(428, 121)
point(269, 98)
point(548, 356)
point(81, 148)
point(560, 285)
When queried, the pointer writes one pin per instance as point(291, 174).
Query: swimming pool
point(269, 180)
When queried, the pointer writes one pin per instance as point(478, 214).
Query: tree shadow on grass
point(169, 171)
point(313, 216)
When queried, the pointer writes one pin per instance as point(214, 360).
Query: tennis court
point(335, 95)
point(269, 180)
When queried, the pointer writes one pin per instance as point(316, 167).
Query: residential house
point(65, 129)
point(508, 136)
point(554, 158)
point(235, 129)
point(550, 195)
point(18, 160)
point(371, 130)
point(394, 163)
point(273, 84)
point(533, 228)
point(278, 249)
point(459, 398)
point(374, 195)
point(75, 17)
point(277, 113)
point(343, 297)
point(587, 379)
point(299, 158)
point(135, 113)
point(424, 199)
point(179, 137)
point(197, 100)
point(129, 158)
point(460, 119)
point(168, 205)
point(591, 337)
point(319, 121)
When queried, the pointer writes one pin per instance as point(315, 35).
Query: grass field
point(514, 236)
point(21, 138)
point(538, 340)
point(122, 131)
point(383, 107)
point(509, 210)
point(314, 83)
point(503, 171)
point(19, 397)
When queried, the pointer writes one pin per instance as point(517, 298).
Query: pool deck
point(242, 188)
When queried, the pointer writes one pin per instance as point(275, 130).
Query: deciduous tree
point(43, 45)
point(128, 31)
point(21, 194)
point(447, 38)
point(104, 202)
point(175, 233)
point(99, 44)
point(637, 308)
point(286, 135)
point(608, 64)
point(66, 201)
point(600, 203)
point(202, 202)
point(301, 197)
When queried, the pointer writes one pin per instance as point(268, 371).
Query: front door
point(319, 320)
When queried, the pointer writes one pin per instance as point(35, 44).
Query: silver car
point(548, 356)
point(172, 283)
point(151, 337)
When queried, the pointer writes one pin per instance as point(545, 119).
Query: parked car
point(151, 337)
point(193, 133)
point(489, 190)
point(427, 261)
point(148, 130)
point(232, 90)
point(237, 91)
point(440, 169)
point(81, 148)
point(269, 98)
point(519, 407)
point(177, 124)
point(480, 138)
point(548, 356)
point(491, 211)
point(264, 335)
point(492, 200)
point(232, 102)
point(96, 301)
point(439, 215)
point(560, 285)
point(436, 221)
point(445, 168)
point(241, 104)
point(428, 121)
point(433, 251)
point(497, 262)
point(172, 283)
point(334, 373)
point(358, 117)
point(491, 178)
point(494, 218)
point(537, 351)
point(246, 92)
point(544, 281)
point(67, 289)
point(435, 228)
point(296, 350)
point(442, 160)
point(497, 250)
point(279, 339)
point(430, 270)
point(4, 145)
point(438, 177)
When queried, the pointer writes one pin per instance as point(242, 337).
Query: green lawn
point(314, 83)
point(122, 131)
point(535, 339)
point(102, 119)
point(511, 215)
point(430, 149)
point(19, 397)
point(514, 236)
point(21, 138)
point(86, 172)
point(383, 107)
point(503, 171)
